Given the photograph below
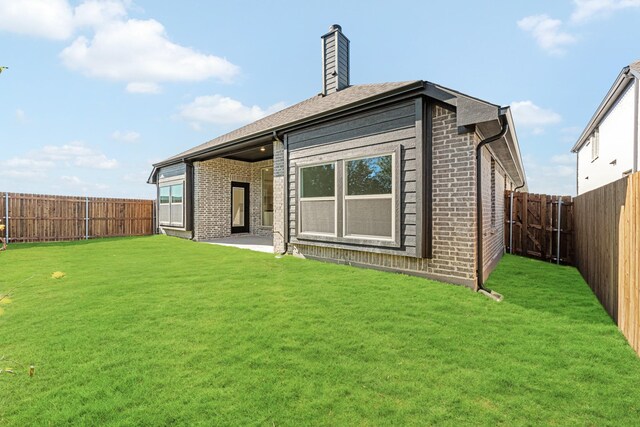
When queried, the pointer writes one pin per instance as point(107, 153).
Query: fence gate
point(539, 226)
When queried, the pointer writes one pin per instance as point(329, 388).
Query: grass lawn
point(162, 331)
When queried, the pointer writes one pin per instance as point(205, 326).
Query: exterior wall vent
point(335, 60)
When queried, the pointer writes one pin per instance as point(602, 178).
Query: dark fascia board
point(620, 84)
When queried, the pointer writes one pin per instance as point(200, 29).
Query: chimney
point(335, 60)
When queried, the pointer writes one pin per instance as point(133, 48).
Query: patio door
point(239, 207)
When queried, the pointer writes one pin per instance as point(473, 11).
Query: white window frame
point(318, 199)
point(262, 197)
point(391, 196)
point(595, 144)
point(170, 184)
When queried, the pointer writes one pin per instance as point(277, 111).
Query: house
point(382, 175)
point(607, 149)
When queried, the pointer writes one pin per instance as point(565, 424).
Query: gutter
point(479, 214)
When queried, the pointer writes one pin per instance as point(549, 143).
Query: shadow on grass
point(548, 288)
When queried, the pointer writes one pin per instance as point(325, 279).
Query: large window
point(368, 198)
point(267, 197)
point(318, 199)
point(171, 201)
point(351, 201)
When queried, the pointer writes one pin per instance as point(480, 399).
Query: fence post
point(559, 230)
point(6, 217)
point(86, 218)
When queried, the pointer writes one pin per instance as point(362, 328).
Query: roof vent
point(335, 60)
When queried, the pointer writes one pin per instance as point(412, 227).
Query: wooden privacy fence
point(607, 252)
point(539, 226)
point(41, 218)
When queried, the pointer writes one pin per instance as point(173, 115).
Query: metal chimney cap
point(335, 27)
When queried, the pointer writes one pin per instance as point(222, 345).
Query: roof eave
point(619, 85)
point(507, 148)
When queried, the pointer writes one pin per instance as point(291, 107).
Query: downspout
point(511, 218)
point(286, 194)
point(479, 226)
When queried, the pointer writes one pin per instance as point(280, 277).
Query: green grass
point(162, 331)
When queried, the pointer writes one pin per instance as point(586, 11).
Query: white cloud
point(530, 116)
point(223, 110)
point(149, 88)
point(96, 13)
point(110, 45)
point(28, 163)
point(51, 19)
point(547, 33)
point(126, 136)
point(140, 52)
point(557, 178)
point(78, 154)
point(51, 156)
point(585, 10)
point(71, 179)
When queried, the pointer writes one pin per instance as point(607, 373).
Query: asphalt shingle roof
point(306, 109)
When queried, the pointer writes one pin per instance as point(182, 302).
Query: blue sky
point(96, 91)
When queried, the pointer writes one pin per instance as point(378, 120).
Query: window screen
point(318, 216)
point(369, 217)
point(317, 199)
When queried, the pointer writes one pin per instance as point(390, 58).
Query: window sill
point(173, 227)
point(355, 242)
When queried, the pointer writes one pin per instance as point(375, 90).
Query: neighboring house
point(608, 147)
point(375, 175)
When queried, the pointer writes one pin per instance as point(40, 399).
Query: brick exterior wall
point(453, 214)
point(279, 198)
point(493, 232)
point(212, 196)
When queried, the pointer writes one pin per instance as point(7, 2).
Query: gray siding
point(390, 129)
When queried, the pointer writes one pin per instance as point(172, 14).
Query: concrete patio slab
point(251, 242)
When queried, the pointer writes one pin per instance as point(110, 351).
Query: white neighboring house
point(608, 147)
